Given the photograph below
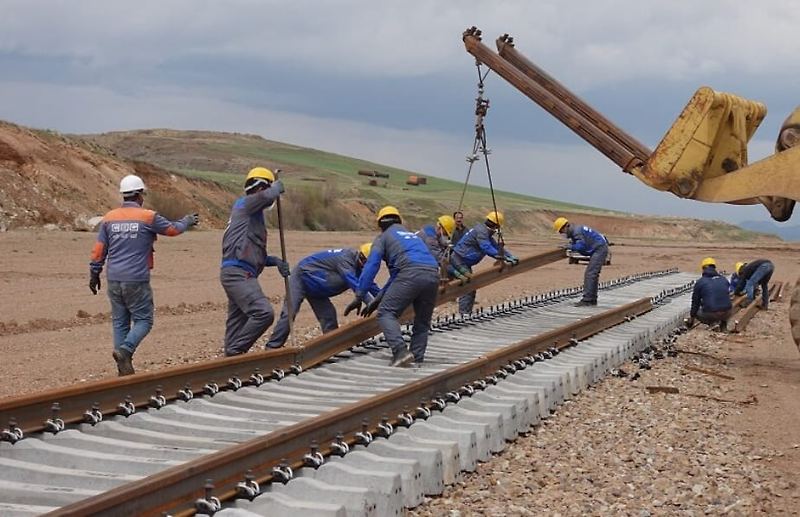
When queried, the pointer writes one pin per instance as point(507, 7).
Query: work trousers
point(760, 278)
point(592, 275)
point(709, 318)
point(249, 312)
point(132, 313)
point(322, 307)
point(417, 287)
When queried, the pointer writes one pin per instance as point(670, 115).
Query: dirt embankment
point(49, 180)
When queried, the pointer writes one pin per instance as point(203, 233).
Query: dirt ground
point(54, 332)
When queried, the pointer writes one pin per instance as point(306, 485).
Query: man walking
point(318, 278)
point(244, 256)
point(413, 280)
point(477, 243)
point(125, 240)
point(711, 301)
point(591, 243)
point(752, 275)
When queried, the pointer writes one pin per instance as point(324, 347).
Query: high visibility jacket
point(125, 240)
point(401, 250)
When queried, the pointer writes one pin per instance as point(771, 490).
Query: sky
point(391, 81)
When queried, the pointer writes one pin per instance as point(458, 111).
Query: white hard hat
point(130, 184)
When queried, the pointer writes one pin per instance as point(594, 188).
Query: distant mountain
point(787, 233)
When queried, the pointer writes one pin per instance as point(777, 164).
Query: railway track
point(486, 379)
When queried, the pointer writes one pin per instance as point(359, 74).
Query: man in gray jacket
point(244, 256)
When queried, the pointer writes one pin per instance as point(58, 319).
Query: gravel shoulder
point(719, 446)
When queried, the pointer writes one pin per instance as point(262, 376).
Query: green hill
point(328, 193)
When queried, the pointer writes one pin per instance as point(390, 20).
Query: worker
point(711, 302)
point(460, 230)
point(244, 256)
point(477, 243)
point(413, 281)
point(735, 276)
point(317, 278)
point(594, 245)
point(753, 275)
point(125, 240)
point(437, 238)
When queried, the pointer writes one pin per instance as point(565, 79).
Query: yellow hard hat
point(365, 248)
point(559, 223)
point(387, 210)
point(496, 217)
point(448, 224)
point(738, 267)
point(708, 261)
point(260, 173)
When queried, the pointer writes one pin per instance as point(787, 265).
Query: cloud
point(590, 44)
point(568, 172)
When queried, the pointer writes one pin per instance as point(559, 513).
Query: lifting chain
point(480, 148)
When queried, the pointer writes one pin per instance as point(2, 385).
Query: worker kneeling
point(594, 245)
point(317, 278)
point(413, 280)
point(711, 302)
point(477, 243)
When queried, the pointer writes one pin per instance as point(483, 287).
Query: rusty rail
point(587, 129)
point(51, 410)
point(740, 323)
point(176, 489)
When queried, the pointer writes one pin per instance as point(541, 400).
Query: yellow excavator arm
point(702, 156)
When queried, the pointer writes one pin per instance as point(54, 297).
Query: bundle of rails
point(436, 390)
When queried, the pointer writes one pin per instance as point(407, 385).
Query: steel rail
point(52, 410)
point(573, 119)
point(740, 323)
point(176, 490)
point(506, 50)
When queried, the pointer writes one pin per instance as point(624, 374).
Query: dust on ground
point(716, 456)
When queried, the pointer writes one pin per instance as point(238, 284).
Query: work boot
point(723, 326)
point(402, 359)
point(124, 361)
point(585, 303)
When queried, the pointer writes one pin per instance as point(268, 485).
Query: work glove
point(283, 267)
point(465, 272)
point(511, 259)
point(193, 219)
point(278, 184)
point(94, 281)
point(355, 305)
point(373, 305)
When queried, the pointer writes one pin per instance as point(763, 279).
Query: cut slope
point(48, 179)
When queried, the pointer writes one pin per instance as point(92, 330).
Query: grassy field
point(327, 193)
point(224, 158)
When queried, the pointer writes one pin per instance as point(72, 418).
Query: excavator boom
point(702, 156)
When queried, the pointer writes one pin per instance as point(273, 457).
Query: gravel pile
point(618, 449)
